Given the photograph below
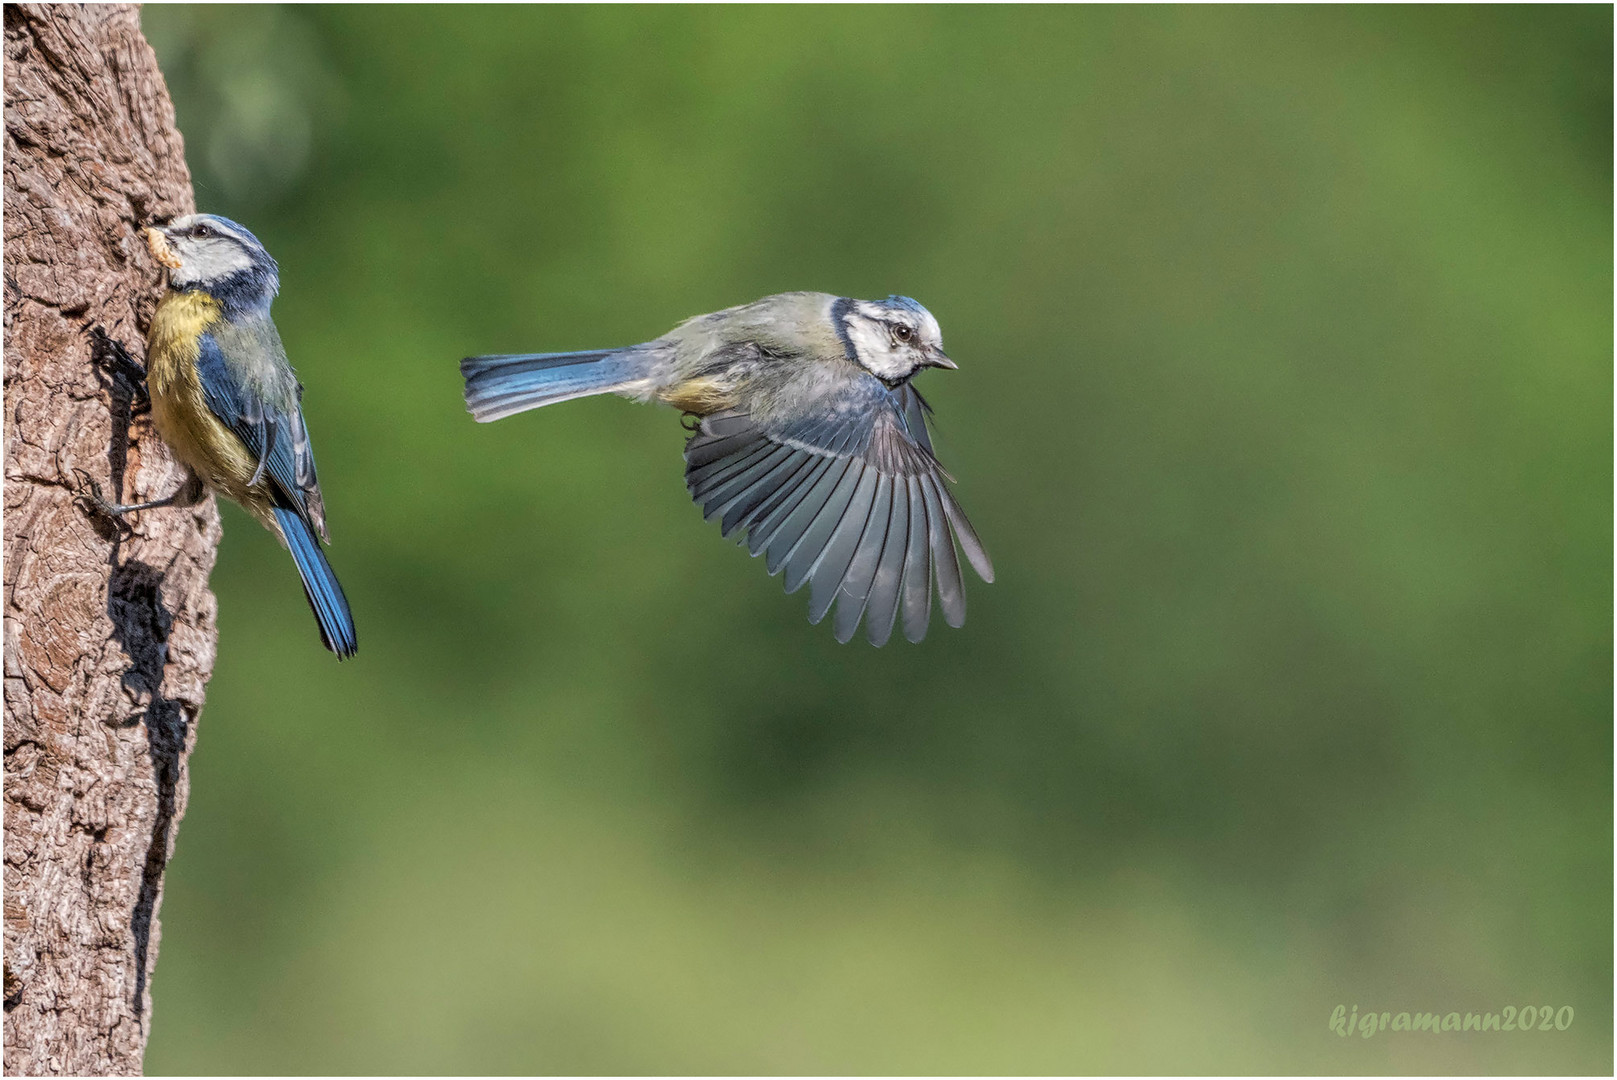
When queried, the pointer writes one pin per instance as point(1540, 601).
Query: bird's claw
point(90, 495)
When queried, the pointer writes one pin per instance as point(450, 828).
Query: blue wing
point(915, 410)
point(850, 500)
point(273, 432)
point(270, 425)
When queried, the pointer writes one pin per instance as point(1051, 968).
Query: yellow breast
point(172, 344)
point(179, 409)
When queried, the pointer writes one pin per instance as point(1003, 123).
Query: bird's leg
point(188, 494)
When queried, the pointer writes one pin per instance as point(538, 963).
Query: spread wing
point(273, 432)
point(850, 501)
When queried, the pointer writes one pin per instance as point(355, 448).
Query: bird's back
point(252, 350)
point(797, 324)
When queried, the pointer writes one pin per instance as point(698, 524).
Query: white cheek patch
point(874, 349)
point(209, 260)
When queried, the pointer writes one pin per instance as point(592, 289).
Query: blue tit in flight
point(810, 437)
point(227, 402)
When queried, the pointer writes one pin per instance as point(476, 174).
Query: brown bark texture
point(109, 631)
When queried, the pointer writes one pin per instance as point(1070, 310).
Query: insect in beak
point(157, 242)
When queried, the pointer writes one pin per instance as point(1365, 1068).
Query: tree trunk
point(109, 632)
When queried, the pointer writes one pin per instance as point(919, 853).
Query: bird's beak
point(157, 242)
point(935, 358)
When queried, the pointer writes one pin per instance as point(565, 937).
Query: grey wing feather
point(772, 514)
point(764, 482)
point(811, 542)
point(732, 422)
point(853, 592)
point(917, 565)
point(804, 510)
point(887, 577)
point(915, 411)
point(698, 476)
point(708, 480)
point(831, 565)
point(967, 536)
point(850, 500)
point(951, 587)
point(744, 482)
point(711, 450)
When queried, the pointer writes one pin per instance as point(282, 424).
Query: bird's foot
point(187, 494)
point(89, 494)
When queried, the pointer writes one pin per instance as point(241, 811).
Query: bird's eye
point(202, 231)
point(902, 332)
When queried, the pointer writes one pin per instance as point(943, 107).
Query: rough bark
point(109, 633)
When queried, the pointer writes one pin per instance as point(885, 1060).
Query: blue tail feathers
point(498, 386)
point(320, 585)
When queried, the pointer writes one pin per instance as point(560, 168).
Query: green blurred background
point(1284, 408)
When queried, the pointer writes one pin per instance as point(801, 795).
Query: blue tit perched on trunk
point(227, 402)
point(811, 438)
